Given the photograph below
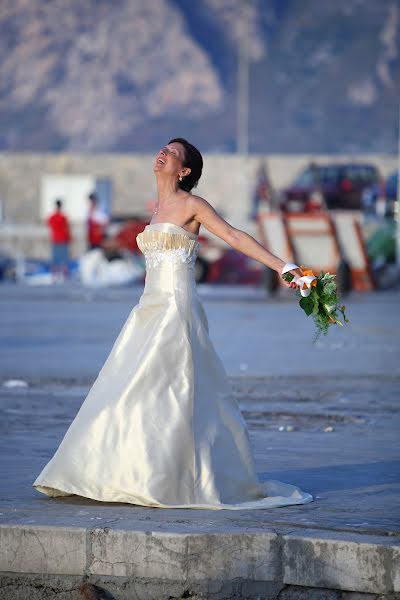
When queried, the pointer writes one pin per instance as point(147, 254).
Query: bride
point(159, 426)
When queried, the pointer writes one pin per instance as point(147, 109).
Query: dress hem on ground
point(297, 497)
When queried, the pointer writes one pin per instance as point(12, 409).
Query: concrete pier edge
point(312, 558)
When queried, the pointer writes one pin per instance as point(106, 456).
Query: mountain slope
point(99, 76)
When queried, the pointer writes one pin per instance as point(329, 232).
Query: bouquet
point(318, 297)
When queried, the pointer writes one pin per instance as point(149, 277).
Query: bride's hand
point(292, 284)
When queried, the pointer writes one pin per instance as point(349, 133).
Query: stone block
point(125, 553)
point(180, 557)
point(29, 549)
point(224, 556)
point(341, 561)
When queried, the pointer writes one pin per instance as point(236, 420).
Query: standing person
point(262, 193)
point(160, 426)
point(96, 224)
point(60, 238)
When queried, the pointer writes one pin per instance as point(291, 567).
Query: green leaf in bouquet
point(288, 277)
point(330, 288)
point(328, 308)
point(307, 304)
point(342, 310)
point(315, 298)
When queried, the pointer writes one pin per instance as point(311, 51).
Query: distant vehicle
point(381, 198)
point(321, 187)
point(391, 187)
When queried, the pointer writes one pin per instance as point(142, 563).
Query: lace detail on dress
point(166, 247)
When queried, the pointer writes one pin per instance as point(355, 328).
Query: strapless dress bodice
point(166, 244)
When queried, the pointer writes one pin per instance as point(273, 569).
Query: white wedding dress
point(159, 426)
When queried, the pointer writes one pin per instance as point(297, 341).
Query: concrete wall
point(228, 182)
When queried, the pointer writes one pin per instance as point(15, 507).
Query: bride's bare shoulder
point(204, 213)
point(198, 203)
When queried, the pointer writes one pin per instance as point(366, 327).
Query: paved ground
point(323, 416)
point(67, 332)
point(353, 470)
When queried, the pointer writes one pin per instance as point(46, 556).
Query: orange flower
point(310, 273)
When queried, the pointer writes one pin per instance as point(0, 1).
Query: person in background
point(262, 194)
point(96, 224)
point(60, 238)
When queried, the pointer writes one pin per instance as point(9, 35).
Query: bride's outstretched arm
point(205, 214)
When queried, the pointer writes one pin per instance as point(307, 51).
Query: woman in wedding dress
point(159, 426)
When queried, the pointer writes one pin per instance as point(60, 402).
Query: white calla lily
point(306, 280)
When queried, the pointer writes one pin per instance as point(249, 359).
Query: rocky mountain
point(102, 76)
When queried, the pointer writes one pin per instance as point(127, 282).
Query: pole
point(242, 208)
point(243, 87)
point(397, 204)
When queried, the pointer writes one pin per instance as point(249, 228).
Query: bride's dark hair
point(194, 161)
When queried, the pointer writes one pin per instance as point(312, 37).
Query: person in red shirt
point(60, 238)
point(96, 224)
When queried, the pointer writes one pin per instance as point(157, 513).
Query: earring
point(180, 177)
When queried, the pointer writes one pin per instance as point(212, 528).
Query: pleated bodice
point(168, 245)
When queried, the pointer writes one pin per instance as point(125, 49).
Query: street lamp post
point(242, 117)
point(243, 87)
point(397, 204)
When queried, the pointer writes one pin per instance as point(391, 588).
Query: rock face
point(101, 76)
point(92, 72)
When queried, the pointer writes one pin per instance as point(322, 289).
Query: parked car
point(321, 187)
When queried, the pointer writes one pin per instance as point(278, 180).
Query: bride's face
point(170, 159)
